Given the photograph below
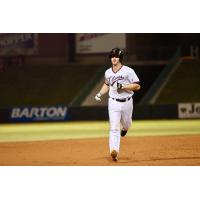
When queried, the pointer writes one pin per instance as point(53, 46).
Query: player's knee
point(127, 125)
point(115, 130)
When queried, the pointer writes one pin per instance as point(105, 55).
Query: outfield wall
point(64, 113)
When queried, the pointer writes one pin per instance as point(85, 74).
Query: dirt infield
point(142, 151)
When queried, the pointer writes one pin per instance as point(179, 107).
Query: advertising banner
point(88, 43)
point(30, 114)
point(18, 43)
point(189, 110)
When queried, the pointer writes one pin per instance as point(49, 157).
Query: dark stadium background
point(46, 70)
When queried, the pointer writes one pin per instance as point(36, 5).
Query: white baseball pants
point(119, 113)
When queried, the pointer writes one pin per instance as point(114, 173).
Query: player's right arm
point(104, 89)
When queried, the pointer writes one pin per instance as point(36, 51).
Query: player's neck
point(117, 67)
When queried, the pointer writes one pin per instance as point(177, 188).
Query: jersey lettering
point(125, 75)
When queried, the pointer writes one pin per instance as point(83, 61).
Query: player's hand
point(98, 97)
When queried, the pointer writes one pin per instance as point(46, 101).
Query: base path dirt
point(142, 151)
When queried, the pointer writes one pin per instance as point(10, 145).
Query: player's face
point(115, 60)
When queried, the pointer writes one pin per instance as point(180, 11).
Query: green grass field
point(73, 130)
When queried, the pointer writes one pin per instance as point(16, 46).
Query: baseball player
point(121, 81)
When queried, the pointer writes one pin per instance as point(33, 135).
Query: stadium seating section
point(183, 86)
point(43, 85)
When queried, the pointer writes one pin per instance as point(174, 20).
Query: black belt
point(122, 100)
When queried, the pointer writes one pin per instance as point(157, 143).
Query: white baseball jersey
point(125, 75)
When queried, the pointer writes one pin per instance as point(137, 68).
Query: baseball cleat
point(114, 155)
point(123, 132)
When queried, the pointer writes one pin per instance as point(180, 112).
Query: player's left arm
point(134, 82)
point(131, 86)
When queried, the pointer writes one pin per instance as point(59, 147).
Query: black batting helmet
point(116, 52)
